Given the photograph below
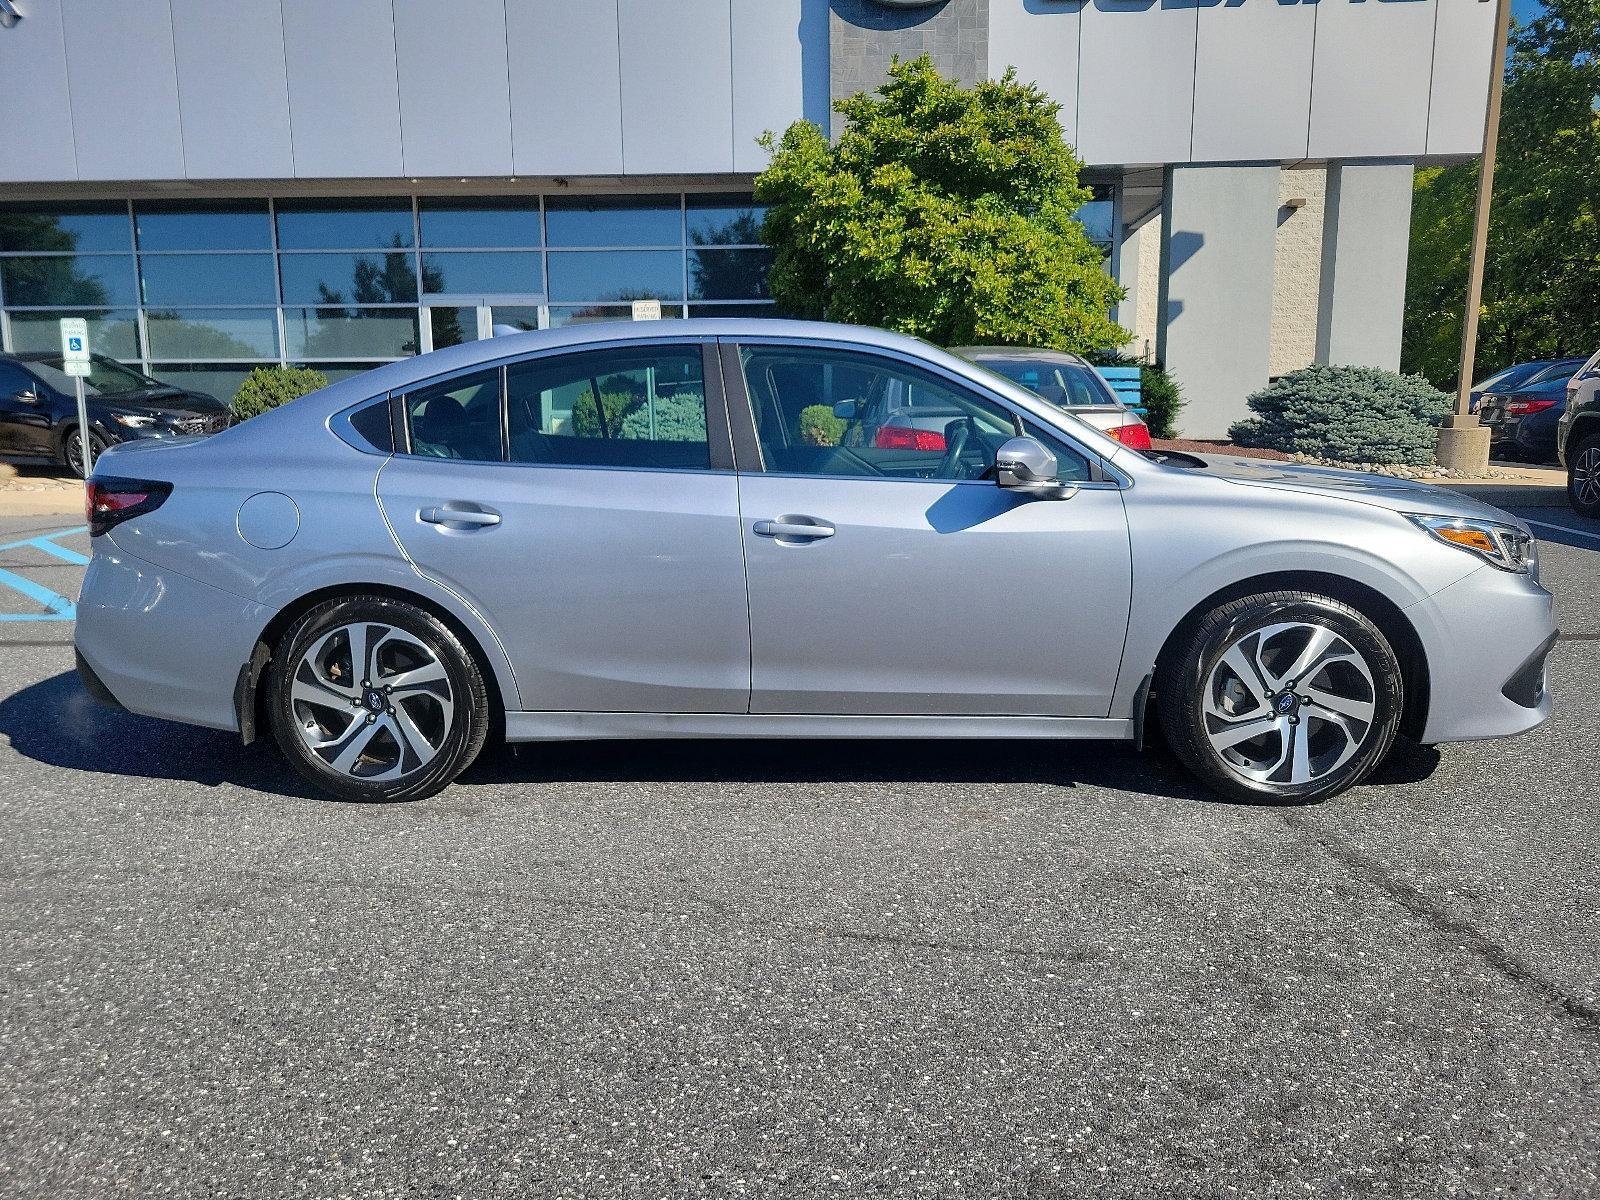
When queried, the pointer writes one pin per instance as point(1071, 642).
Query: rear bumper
point(161, 644)
point(1487, 638)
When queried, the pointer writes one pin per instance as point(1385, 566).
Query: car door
point(889, 575)
point(584, 502)
point(24, 423)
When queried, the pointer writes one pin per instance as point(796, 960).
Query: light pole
point(1463, 442)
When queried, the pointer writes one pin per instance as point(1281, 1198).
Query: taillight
point(1521, 408)
point(110, 501)
point(1135, 435)
point(903, 437)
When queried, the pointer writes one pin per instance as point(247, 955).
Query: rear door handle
point(460, 518)
point(799, 528)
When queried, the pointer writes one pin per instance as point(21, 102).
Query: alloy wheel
point(1586, 476)
point(372, 701)
point(1289, 704)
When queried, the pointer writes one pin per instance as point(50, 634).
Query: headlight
point(133, 420)
point(1501, 545)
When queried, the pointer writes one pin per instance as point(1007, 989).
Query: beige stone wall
point(1143, 247)
point(1297, 270)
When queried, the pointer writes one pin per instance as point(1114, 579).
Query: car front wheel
point(1583, 478)
point(72, 449)
point(1283, 697)
point(373, 698)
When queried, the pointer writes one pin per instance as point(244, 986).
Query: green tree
point(944, 212)
point(1542, 279)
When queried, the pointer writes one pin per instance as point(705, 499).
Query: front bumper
point(1486, 639)
point(161, 644)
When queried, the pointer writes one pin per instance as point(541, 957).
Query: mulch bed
point(1198, 447)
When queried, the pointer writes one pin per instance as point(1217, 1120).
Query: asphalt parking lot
point(793, 968)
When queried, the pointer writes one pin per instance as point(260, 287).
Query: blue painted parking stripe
point(61, 609)
point(61, 552)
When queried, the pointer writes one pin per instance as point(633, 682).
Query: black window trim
point(747, 444)
point(718, 439)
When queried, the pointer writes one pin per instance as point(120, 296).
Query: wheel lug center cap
point(1287, 704)
point(374, 700)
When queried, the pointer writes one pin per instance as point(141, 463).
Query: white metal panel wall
point(455, 94)
point(1040, 39)
point(233, 89)
point(566, 88)
point(677, 86)
point(37, 141)
point(1135, 82)
point(768, 74)
point(1370, 79)
point(1463, 47)
point(1252, 88)
point(124, 88)
point(344, 99)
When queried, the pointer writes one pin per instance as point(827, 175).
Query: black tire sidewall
point(469, 723)
point(1583, 510)
point(1182, 705)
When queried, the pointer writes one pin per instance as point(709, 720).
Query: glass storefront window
point(724, 221)
point(613, 221)
point(208, 279)
point(452, 326)
point(212, 333)
point(113, 332)
point(486, 272)
point(728, 274)
point(65, 227)
point(344, 225)
point(734, 310)
point(616, 275)
point(85, 280)
point(462, 223)
point(221, 380)
point(334, 372)
point(349, 278)
point(175, 226)
point(350, 332)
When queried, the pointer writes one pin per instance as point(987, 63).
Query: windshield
point(1561, 370)
point(106, 377)
point(1511, 376)
point(1063, 382)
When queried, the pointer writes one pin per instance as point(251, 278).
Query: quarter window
point(829, 412)
point(459, 418)
point(623, 407)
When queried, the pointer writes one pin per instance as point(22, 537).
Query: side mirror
point(1025, 464)
point(28, 397)
point(846, 410)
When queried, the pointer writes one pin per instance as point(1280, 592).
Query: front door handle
point(454, 517)
point(798, 528)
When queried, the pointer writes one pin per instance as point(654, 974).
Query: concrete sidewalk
point(38, 492)
point(1516, 486)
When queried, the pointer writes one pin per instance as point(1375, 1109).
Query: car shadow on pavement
point(56, 723)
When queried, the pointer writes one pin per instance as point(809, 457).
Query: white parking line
point(1583, 533)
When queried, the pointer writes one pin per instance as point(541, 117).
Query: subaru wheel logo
point(1285, 703)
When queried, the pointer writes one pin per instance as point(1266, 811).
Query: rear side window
point(621, 407)
point(458, 418)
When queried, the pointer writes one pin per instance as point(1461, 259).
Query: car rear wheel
point(375, 699)
point(1284, 697)
point(72, 449)
point(1583, 477)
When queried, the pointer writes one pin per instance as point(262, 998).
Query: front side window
point(832, 412)
point(458, 418)
point(621, 407)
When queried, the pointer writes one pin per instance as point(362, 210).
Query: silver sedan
point(695, 529)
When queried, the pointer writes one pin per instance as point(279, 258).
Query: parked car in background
point(1512, 377)
point(1578, 439)
point(1069, 383)
point(39, 409)
point(1522, 420)
point(668, 529)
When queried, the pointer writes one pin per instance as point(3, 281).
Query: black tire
point(1583, 477)
point(70, 456)
point(1191, 669)
point(460, 736)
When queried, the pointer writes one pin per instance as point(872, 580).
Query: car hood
point(1381, 491)
point(155, 402)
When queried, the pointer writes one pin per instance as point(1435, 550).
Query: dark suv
point(39, 409)
point(1578, 439)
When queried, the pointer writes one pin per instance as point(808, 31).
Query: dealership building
point(217, 184)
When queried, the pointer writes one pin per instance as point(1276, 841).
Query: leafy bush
point(268, 387)
point(943, 211)
point(1159, 393)
point(819, 427)
point(1347, 414)
point(680, 417)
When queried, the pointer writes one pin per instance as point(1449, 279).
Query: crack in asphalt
point(1504, 962)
